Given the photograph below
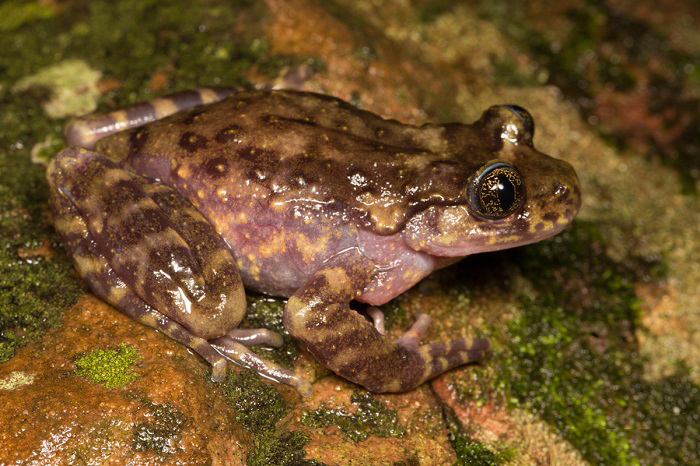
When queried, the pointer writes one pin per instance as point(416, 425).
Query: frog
point(170, 208)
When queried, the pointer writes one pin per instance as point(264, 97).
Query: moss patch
point(160, 433)
point(571, 356)
point(162, 47)
point(371, 418)
point(36, 279)
point(257, 405)
point(111, 368)
point(470, 452)
point(281, 448)
point(266, 312)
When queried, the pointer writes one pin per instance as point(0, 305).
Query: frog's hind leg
point(87, 130)
point(318, 315)
point(239, 354)
point(106, 284)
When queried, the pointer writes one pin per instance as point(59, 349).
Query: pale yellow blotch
point(74, 225)
point(272, 246)
point(208, 96)
point(310, 249)
point(184, 172)
point(338, 280)
point(221, 258)
point(254, 270)
point(149, 319)
point(126, 211)
point(121, 120)
point(96, 225)
point(111, 177)
point(116, 295)
point(164, 106)
point(343, 357)
point(86, 265)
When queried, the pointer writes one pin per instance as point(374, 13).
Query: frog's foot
point(130, 240)
point(256, 336)
point(318, 315)
point(239, 354)
point(412, 337)
point(378, 318)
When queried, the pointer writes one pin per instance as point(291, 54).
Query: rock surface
point(596, 332)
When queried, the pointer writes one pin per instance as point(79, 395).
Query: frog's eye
point(496, 190)
point(517, 125)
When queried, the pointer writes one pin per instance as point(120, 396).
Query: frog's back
point(287, 177)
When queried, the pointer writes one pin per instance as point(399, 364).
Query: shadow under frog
point(169, 207)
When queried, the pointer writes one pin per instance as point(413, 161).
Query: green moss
point(266, 312)
point(33, 289)
point(111, 368)
point(14, 14)
point(257, 405)
point(280, 448)
point(470, 452)
point(371, 418)
point(162, 430)
point(15, 380)
point(571, 356)
point(190, 47)
point(394, 313)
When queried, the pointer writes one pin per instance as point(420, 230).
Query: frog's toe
point(239, 354)
point(256, 336)
point(412, 337)
point(378, 318)
point(218, 370)
point(439, 357)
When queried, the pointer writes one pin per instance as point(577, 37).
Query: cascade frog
point(169, 207)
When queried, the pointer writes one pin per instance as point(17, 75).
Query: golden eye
point(496, 191)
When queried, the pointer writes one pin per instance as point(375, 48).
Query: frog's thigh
point(319, 316)
point(105, 283)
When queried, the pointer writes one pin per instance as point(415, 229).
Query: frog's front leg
point(319, 317)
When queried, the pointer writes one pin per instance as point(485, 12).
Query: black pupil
point(506, 192)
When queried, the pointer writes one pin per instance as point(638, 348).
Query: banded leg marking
point(319, 317)
point(107, 285)
point(87, 130)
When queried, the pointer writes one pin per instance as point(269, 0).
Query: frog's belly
point(276, 254)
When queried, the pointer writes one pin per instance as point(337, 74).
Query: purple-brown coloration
point(310, 198)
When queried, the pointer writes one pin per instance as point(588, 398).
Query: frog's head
point(513, 194)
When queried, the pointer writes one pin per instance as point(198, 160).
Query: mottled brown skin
point(308, 197)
